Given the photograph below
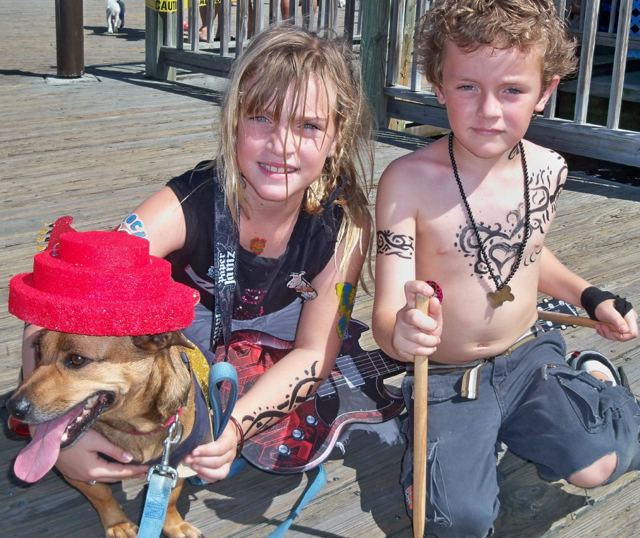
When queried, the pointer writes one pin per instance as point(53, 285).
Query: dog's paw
point(182, 530)
point(122, 530)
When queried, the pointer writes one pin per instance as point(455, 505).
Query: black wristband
point(591, 297)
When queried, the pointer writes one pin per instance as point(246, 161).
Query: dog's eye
point(77, 360)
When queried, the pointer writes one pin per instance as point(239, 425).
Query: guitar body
point(354, 392)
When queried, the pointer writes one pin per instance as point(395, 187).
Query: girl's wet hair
point(500, 24)
point(285, 57)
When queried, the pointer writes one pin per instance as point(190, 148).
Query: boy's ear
point(546, 95)
point(439, 95)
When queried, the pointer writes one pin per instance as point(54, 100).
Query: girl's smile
point(281, 157)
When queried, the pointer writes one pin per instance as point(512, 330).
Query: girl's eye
point(311, 126)
point(259, 119)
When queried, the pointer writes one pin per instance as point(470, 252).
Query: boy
point(477, 205)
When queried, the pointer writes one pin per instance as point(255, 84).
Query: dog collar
point(172, 419)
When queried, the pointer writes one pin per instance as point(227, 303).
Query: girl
point(290, 236)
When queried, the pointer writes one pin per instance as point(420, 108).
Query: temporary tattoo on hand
point(300, 392)
point(257, 244)
point(133, 225)
point(347, 296)
point(389, 243)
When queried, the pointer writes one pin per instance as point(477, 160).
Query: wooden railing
point(408, 96)
point(383, 31)
point(229, 27)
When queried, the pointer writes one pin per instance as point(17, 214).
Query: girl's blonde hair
point(501, 24)
point(282, 57)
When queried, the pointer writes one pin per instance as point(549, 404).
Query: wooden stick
point(421, 394)
point(568, 319)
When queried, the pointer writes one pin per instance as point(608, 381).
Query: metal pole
point(69, 38)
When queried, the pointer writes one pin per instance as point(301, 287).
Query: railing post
point(69, 38)
point(373, 55)
point(156, 26)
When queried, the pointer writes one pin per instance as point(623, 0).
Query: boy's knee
point(595, 474)
point(473, 520)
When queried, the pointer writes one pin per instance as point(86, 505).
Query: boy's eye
point(465, 87)
point(513, 91)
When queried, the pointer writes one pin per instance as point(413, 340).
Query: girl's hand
point(627, 327)
point(414, 332)
point(213, 461)
point(83, 461)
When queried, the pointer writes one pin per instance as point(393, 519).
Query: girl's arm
point(306, 366)
point(163, 222)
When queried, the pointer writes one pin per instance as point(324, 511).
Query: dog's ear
point(155, 342)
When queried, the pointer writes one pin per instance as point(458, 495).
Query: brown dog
point(126, 388)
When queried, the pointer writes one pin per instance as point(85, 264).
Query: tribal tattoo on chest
point(503, 240)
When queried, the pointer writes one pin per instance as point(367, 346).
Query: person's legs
point(462, 483)
point(570, 424)
point(204, 29)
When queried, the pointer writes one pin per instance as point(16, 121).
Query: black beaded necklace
point(503, 290)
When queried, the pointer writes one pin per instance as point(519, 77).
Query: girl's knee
point(595, 474)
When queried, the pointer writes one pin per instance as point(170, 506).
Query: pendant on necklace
point(499, 297)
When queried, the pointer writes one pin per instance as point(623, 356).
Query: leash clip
point(174, 435)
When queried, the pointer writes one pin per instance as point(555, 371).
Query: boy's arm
point(557, 281)
point(398, 327)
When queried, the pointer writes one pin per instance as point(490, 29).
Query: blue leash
point(162, 478)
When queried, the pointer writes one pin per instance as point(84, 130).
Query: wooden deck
point(94, 148)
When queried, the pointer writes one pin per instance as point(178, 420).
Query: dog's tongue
point(40, 455)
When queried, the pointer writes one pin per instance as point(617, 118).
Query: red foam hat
point(102, 284)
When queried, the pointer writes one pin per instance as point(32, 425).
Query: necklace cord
point(527, 218)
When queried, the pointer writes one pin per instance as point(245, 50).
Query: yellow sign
point(169, 6)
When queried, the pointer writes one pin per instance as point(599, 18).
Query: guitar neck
point(356, 370)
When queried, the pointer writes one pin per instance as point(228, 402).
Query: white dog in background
point(113, 16)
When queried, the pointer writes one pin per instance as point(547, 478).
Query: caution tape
point(168, 6)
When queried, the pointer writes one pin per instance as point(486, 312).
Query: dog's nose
point(19, 407)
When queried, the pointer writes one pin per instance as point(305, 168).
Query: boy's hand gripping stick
point(421, 394)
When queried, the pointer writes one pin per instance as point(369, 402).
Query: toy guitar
point(354, 392)
point(555, 314)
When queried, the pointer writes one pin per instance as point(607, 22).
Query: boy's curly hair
point(500, 24)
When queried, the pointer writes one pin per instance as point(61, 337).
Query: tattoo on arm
point(347, 296)
point(300, 392)
point(389, 243)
